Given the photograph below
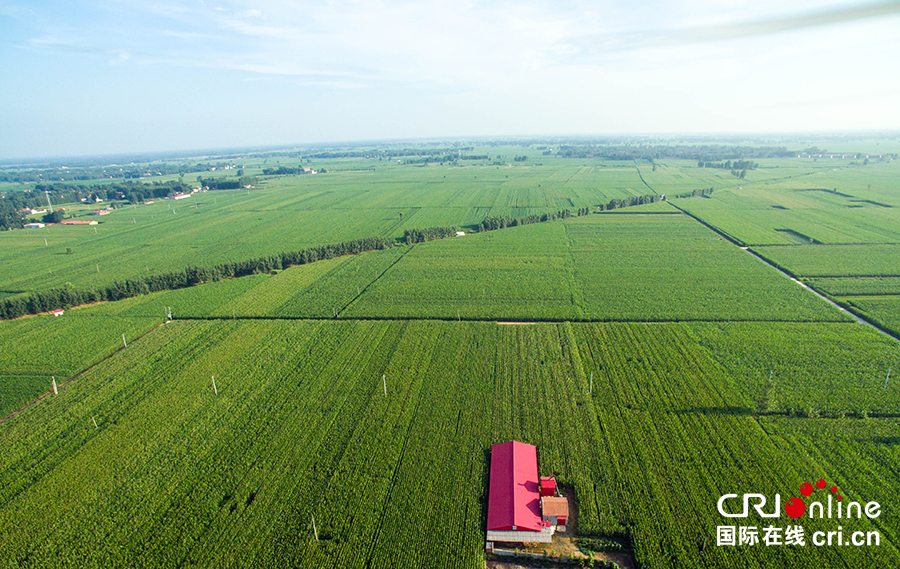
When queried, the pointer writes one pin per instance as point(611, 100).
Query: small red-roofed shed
point(548, 486)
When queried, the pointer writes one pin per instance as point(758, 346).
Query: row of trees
point(700, 152)
point(228, 183)
point(617, 203)
point(388, 153)
point(100, 169)
point(490, 223)
point(696, 193)
point(44, 301)
point(499, 222)
point(283, 170)
point(729, 165)
point(411, 236)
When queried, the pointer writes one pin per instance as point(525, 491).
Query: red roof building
point(548, 486)
point(514, 502)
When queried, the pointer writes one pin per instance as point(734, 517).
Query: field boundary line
point(871, 276)
point(865, 294)
point(375, 280)
point(496, 320)
point(76, 376)
point(641, 176)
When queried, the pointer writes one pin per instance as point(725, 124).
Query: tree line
point(411, 236)
point(228, 183)
point(701, 152)
point(696, 193)
point(617, 203)
point(283, 170)
point(75, 173)
point(729, 165)
point(69, 296)
point(499, 222)
point(387, 152)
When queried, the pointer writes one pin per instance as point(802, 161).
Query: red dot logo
point(806, 489)
point(795, 507)
point(820, 483)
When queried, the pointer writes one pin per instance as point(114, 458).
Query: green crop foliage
point(37, 348)
point(301, 428)
point(883, 310)
point(844, 286)
point(836, 260)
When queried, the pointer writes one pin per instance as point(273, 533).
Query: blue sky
point(88, 77)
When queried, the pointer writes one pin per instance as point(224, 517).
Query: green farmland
point(301, 427)
point(294, 212)
point(654, 363)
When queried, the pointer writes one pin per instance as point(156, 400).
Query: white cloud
point(466, 67)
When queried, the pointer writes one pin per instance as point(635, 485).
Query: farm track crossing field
point(175, 474)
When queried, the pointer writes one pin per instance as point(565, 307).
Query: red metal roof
point(514, 502)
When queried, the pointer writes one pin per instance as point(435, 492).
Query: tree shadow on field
point(891, 441)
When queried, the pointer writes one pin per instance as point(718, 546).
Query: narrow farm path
point(636, 167)
point(76, 376)
point(822, 296)
point(762, 259)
